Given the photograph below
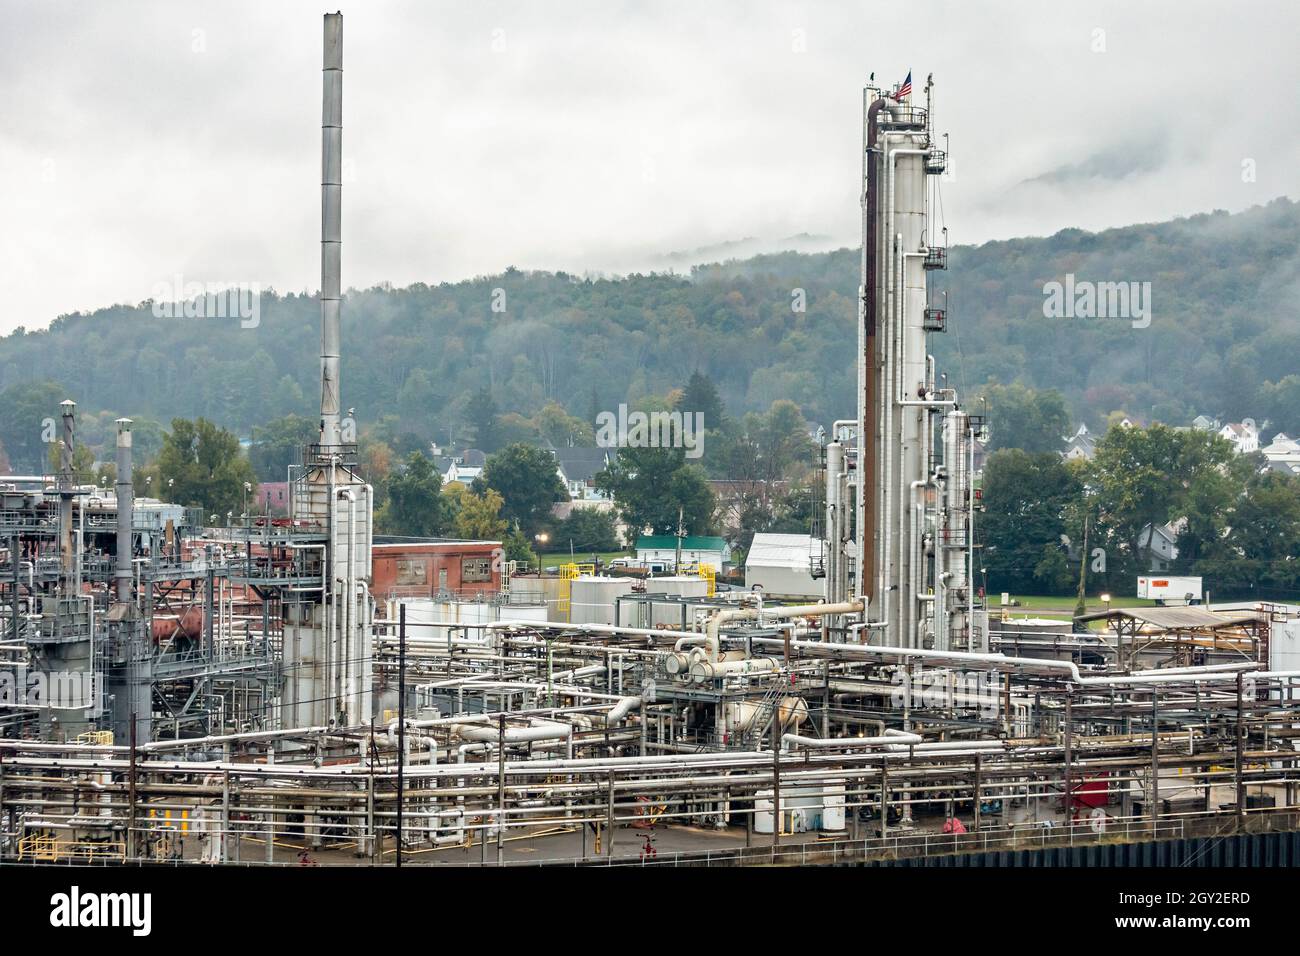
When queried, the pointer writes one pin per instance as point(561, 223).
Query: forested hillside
point(1223, 339)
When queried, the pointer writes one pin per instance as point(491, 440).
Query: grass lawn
point(554, 558)
point(1066, 602)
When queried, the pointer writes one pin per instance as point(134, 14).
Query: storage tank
point(523, 612)
point(669, 613)
point(539, 590)
point(592, 599)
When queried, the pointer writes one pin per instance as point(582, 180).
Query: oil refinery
point(293, 689)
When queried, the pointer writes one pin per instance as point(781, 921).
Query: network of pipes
point(244, 695)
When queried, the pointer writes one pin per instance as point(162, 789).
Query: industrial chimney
point(331, 194)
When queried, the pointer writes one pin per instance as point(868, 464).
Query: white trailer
point(1167, 589)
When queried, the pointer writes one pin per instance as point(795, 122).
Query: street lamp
point(1105, 599)
point(541, 538)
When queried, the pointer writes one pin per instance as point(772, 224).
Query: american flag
point(906, 88)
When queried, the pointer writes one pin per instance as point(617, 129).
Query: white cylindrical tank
point(592, 599)
point(684, 585)
point(669, 613)
point(522, 612)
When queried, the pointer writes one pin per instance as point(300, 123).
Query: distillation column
point(897, 509)
point(328, 634)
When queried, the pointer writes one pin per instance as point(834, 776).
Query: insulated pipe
point(620, 710)
point(1209, 672)
point(331, 190)
point(851, 743)
point(777, 613)
point(349, 625)
point(541, 731)
point(585, 628)
point(704, 671)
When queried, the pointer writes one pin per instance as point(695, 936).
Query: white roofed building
point(781, 564)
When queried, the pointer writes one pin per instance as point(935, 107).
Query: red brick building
point(425, 569)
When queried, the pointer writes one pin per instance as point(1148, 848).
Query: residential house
point(464, 467)
point(696, 549)
point(1080, 446)
point(1243, 435)
point(1283, 455)
point(578, 468)
point(1161, 544)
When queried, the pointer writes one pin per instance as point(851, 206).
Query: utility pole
point(681, 533)
point(1081, 606)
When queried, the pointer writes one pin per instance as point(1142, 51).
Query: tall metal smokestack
point(125, 505)
point(66, 481)
point(331, 193)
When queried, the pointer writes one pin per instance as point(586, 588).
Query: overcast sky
point(141, 141)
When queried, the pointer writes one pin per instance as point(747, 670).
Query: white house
point(464, 467)
point(462, 473)
point(578, 467)
point(1243, 435)
point(1283, 454)
point(696, 549)
point(1161, 546)
point(1080, 445)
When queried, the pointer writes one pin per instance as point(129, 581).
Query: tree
point(1259, 555)
point(416, 505)
point(560, 428)
point(701, 395)
point(528, 481)
point(278, 444)
point(652, 485)
point(83, 462)
point(1025, 497)
point(586, 529)
point(484, 418)
point(1021, 417)
point(478, 517)
point(29, 416)
point(1145, 477)
point(202, 465)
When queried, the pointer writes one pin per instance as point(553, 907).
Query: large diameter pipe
point(1204, 673)
point(331, 193)
point(540, 731)
point(850, 743)
point(773, 613)
point(125, 506)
